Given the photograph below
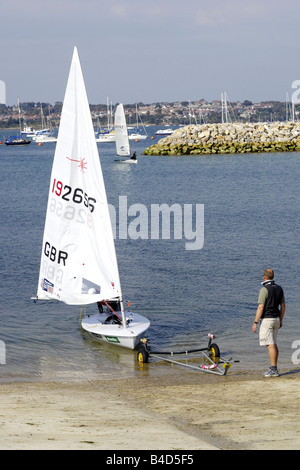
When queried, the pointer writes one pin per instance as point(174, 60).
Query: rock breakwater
point(229, 138)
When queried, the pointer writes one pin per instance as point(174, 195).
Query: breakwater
point(229, 138)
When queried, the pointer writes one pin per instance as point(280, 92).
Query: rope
point(82, 308)
point(115, 313)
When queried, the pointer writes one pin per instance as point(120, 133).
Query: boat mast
point(138, 116)
point(19, 115)
point(123, 313)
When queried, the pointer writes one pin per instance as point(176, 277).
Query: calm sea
point(252, 221)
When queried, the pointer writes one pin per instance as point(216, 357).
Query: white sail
point(121, 133)
point(78, 262)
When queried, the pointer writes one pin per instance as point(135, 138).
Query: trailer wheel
point(142, 355)
point(214, 350)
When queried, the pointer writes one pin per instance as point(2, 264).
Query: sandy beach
point(175, 411)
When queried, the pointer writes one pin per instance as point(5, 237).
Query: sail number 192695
point(78, 196)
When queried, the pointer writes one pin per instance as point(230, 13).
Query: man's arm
point(258, 315)
point(282, 312)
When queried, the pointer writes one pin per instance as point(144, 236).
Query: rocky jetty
point(229, 138)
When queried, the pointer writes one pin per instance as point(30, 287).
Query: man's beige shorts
point(268, 331)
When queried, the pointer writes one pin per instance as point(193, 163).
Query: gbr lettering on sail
point(70, 205)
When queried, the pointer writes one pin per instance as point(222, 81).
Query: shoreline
point(178, 410)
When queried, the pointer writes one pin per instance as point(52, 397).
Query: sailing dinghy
point(78, 261)
point(121, 136)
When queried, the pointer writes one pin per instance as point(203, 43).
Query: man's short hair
point(269, 273)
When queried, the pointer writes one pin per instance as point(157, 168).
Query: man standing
point(270, 311)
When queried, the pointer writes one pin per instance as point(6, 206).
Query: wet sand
point(178, 410)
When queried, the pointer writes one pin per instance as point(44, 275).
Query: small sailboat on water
point(122, 140)
point(137, 134)
point(78, 261)
point(17, 140)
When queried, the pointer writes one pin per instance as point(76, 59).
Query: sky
point(163, 50)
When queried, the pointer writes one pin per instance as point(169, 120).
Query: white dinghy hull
point(126, 161)
point(127, 337)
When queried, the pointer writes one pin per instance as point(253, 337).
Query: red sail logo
point(82, 163)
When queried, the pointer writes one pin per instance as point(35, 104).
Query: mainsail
point(78, 262)
point(121, 133)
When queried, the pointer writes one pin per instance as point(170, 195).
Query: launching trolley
point(215, 363)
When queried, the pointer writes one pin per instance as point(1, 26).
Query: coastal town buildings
point(163, 113)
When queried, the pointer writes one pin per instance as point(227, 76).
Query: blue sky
point(163, 50)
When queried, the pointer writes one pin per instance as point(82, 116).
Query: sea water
point(251, 221)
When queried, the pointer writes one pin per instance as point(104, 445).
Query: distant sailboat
point(27, 131)
point(107, 135)
point(137, 135)
point(17, 140)
point(121, 133)
point(78, 261)
point(48, 134)
point(43, 130)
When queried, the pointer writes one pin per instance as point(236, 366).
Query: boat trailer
point(211, 353)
